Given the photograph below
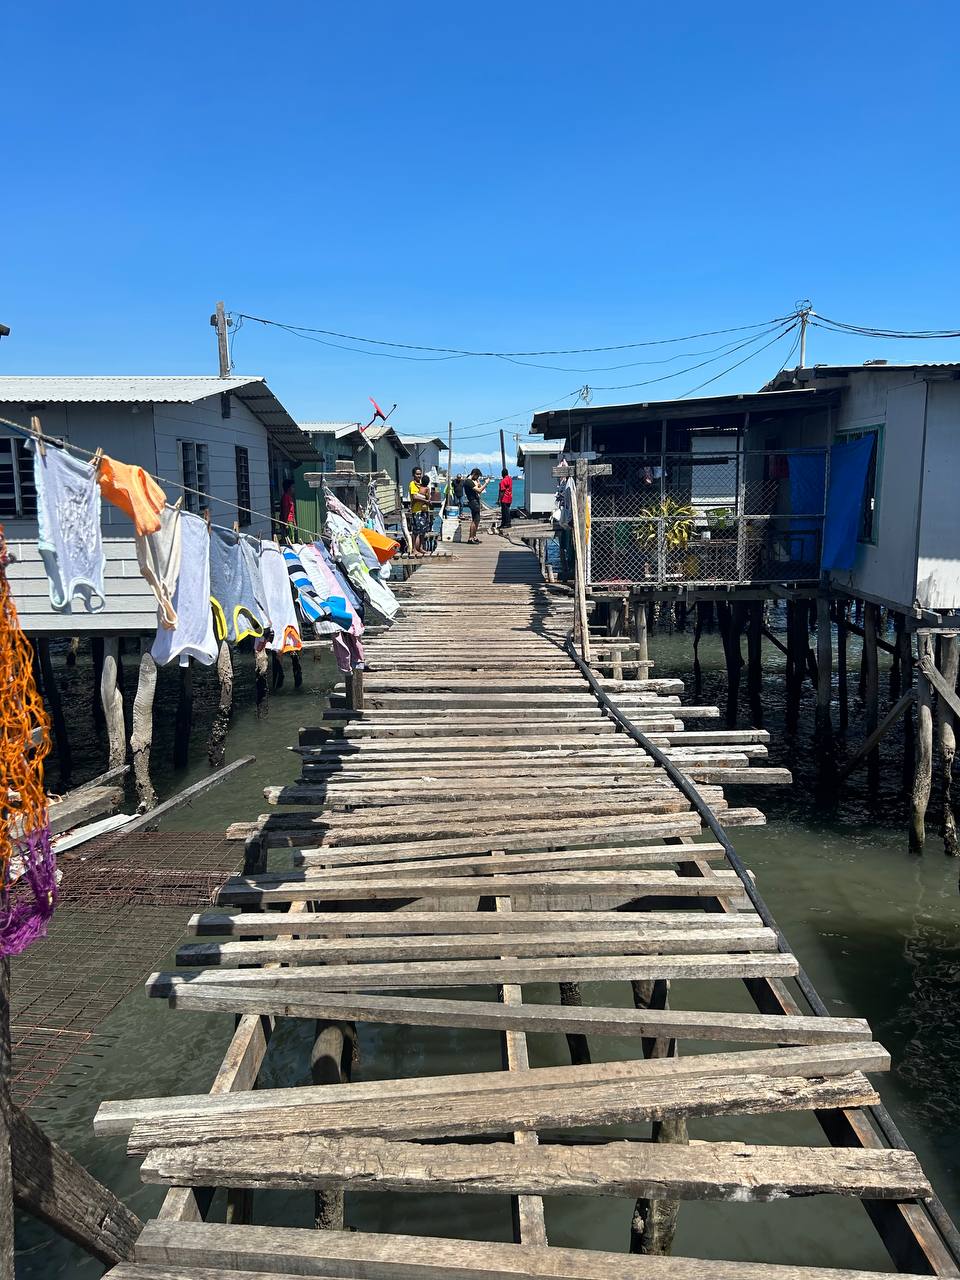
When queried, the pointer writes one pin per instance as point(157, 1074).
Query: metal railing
point(708, 517)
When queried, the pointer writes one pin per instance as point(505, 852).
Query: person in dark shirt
point(472, 489)
point(505, 498)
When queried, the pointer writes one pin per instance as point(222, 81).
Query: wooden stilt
point(923, 774)
point(297, 669)
point(355, 691)
point(794, 672)
point(947, 738)
point(96, 654)
point(697, 632)
point(52, 692)
point(871, 691)
point(640, 631)
point(184, 718)
point(276, 672)
point(112, 700)
point(73, 649)
point(904, 647)
point(330, 1064)
point(654, 1222)
point(615, 628)
point(824, 665)
point(141, 738)
point(843, 693)
point(216, 743)
point(730, 619)
point(571, 995)
point(261, 663)
point(755, 662)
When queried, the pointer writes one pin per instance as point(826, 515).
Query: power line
point(869, 331)
point(749, 356)
point(302, 330)
point(677, 373)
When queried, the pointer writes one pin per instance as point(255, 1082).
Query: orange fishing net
point(26, 859)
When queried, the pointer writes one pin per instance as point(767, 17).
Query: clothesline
point(58, 443)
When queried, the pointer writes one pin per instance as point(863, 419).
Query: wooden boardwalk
point(482, 826)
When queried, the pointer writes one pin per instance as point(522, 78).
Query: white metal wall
point(938, 567)
point(539, 483)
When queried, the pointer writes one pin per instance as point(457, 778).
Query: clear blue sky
point(504, 176)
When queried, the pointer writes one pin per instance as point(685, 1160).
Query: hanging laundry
point(279, 597)
point(329, 582)
point(311, 606)
point(69, 541)
point(136, 494)
point(325, 588)
point(159, 556)
point(238, 610)
point(348, 652)
point(193, 636)
point(379, 596)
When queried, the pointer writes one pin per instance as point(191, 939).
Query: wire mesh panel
point(708, 517)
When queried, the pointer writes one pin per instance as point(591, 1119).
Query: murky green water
point(877, 930)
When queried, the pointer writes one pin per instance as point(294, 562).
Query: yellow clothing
point(416, 502)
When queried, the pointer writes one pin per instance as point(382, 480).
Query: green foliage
point(677, 520)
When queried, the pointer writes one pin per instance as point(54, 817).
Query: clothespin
point(206, 516)
point(236, 526)
point(96, 460)
point(35, 428)
point(179, 503)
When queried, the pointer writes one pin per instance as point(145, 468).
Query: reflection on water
point(877, 930)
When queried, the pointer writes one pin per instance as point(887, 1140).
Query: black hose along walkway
point(483, 827)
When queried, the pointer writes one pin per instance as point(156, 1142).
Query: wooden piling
point(331, 1059)
point(58, 720)
point(755, 662)
point(871, 689)
point(614, 629)
point(923, 772)
point(184, 717)
point(640, 631)
point(843, 693)
point(654, 1222)
point(697, 632)
point(96, 652)
point(904, 647)
point(947, 738)
point(216, 743)
point(355, 690)
point(141, 737)
point(824, 665)
point(112, 700)
point(261, 663)
point(730, 620)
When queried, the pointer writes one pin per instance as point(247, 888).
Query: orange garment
point(384, 548)
point(134, 492)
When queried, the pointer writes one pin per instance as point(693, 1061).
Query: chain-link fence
point(708, 518)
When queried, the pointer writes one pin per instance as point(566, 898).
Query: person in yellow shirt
point(420, 511)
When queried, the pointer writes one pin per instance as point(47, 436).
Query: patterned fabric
point(308, 600)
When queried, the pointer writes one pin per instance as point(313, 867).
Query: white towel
point(279, 597)
point(193, 636)
point(159, 556)
point(68, 515)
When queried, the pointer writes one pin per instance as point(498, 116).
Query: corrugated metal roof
point(538, 446)
point(383, 431)
point(120, 389)
point(328, 428)
point(415, 440)
point(251, 390)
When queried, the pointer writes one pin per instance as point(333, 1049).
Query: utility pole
point(503, 451)
point(806, 311)
point(449, 493)
point(220, 322)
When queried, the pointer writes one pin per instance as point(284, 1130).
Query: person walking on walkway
point(419, 511)
point(472, 489)
point(505, 498)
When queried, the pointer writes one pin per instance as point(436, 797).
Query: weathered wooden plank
point(342, 924)
point(757, 1028)
point(241, 889)
point(704, 1171)
point(474, 946)
point(283, 1252)
point(120, 1116)
point(545, 1107)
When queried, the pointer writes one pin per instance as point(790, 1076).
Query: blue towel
point(849, 465)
